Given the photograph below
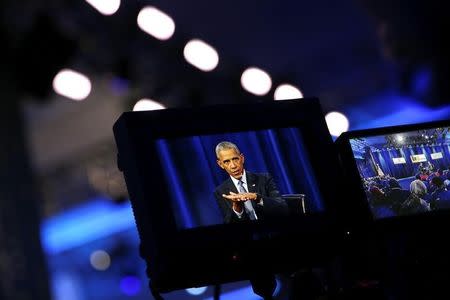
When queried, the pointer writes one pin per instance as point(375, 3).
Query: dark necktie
point(247, 204)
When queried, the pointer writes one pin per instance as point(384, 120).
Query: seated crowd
point(429, 191)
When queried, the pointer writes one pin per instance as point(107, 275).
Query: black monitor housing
point(179, 254)
point(372, 158)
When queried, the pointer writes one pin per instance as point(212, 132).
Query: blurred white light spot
point(256, 81)
point(147, 104)
point(71, 84)
point(196, 291)
point(66, 286)
point(105, 7)
point(400, 138)
point(287, 91)
point(156, 23)
point(100, 260)
point(201, 55)
point(337, 123)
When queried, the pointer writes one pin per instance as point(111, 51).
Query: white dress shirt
point(245, 185)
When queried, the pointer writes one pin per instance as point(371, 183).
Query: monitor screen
point(272, 165)
point(215, 190)
point(406, 172)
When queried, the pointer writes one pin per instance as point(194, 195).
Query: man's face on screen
point(232, 162)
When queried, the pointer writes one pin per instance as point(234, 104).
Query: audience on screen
point(440, 195)
point(446, 176)
point(430, 190)
point(396, 195)
point(415, 203)
point(381, 205)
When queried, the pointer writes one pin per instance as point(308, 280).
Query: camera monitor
point(398, 171)
point(224, 192)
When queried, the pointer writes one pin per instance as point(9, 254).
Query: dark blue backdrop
point(192, 173)
point(365, 167)
point(384, 159)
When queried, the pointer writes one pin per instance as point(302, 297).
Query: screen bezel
point(361, 218)
point(136, 133)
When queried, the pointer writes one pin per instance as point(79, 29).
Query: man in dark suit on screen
point(244, 195)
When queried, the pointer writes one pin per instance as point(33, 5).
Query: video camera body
point(400, 214)
point(171, 169)
point(386, 166)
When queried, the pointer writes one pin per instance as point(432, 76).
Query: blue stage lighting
point(97, 219)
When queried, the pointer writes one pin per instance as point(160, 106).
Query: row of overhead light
point(196, 52)
point(205, 58)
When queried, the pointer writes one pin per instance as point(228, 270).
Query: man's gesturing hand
point(240, 197)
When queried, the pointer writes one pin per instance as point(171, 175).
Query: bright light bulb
point(287, 91)
point(147, 104)
point(105, 7)
point(337, 123)
point(256, 81)
point(201, 55)
point(197, 291)
point(130, 285)
point(100, 260)
point(156, 23)
point(72, 84)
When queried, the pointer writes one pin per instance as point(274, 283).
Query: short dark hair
point(437, 181)
point(393, 183)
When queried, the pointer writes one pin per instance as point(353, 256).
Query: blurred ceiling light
point(197, 291)
point(156, 23)
point(201, 55)
point(287, 91)
point(337, 123)
point(256, 81)
point(400, 138)
point(130, 285)
point(107, 8)
point(100, 260)
point(72, 84)
point(147, 104)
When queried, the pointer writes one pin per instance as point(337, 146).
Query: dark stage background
point(377, 63)
point(384, 157)
point(192, 172)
